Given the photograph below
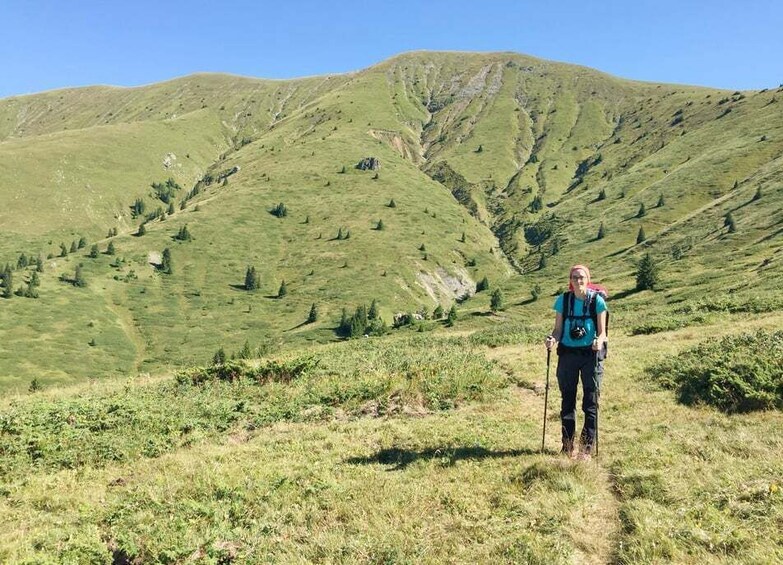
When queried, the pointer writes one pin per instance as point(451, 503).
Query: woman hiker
point(580, 336)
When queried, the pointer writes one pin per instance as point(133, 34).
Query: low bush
point(736, 374)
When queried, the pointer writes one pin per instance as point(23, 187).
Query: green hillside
point(523, 159)
point(162, 402)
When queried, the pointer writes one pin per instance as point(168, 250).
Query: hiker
point(580, 336)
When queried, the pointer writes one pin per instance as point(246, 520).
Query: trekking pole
point(597, 387)
point(546, 397)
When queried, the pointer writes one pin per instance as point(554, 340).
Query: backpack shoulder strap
point(567, 296)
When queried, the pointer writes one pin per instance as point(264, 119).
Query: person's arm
point(600, 332)
point(556, 334)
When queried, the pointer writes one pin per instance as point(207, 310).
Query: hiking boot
point(584, 453)
point(568, 448)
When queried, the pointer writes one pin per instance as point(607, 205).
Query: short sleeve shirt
point(579, 308)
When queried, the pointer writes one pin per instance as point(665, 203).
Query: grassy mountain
point(523, 159)
point(423, 445)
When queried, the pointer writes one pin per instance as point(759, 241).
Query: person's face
point(579, 280)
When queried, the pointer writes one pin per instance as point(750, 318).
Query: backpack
point(593, 290)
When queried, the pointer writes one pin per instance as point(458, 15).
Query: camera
point(577, 332)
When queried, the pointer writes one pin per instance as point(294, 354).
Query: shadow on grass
point(399, 459)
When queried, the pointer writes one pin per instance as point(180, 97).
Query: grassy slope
point(412, 112)
point(671, 483)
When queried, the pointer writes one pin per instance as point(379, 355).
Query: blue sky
point(47, 44)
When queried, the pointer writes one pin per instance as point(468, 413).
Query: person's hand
point(550, 341)
point(597, 344)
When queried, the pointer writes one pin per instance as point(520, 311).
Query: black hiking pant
point(571, 364)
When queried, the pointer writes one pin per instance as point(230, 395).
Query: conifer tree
point(729, 223)
point(601, 231)
point(8, 281)
point(641, 236)
point(219, 358)
point(35, 280)
point(167, 264)
point(142, 229)
point(21, 263)
point(110, 249)
point(82, 243)
point(422, 247)
point(313, 315)
point(73, 247)
point(63, 250)
point(757, 196)
point(452, 316)
point(496, 300)
point(93, 251)
point(252, 278)
point(437, 314)
point(183, 234)
point(171, 208)
point(602, 195)
point(642, 211)
point(78, 277)
point(339, 233)
point(661, 201)
point(39, 264)
point(372, 314)
point(393, 204)
point(379, 226)
point(463, 239)
point(482, 285)
point(542, 262)
point(647, 276)
point(283, 290)
point(246, 352)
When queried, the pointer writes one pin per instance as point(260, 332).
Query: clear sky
point(47, 44)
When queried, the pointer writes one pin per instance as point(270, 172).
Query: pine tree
point(110, 249)
point(63, 250)
point(372, 314)
point(35, 280)
point(452, 316)
point(640, 237)
point(8, 281)
point(642, 211)
point(167, 265)
point(252, 279)
point(542, 262)
point(313, 315)
point(729, 223)
point(463, 239)
point(39, 264)
point(482, 285)
point(219, 358)
point(82, 243)
point(246, 352)
point(393, 204)
point(437, 314)
point(339, 233)
point(171, 208)
point(21, 263)
point(344, 327)
point(73, 248)
point(78, 277)
point(757, 196)
point(422, 247)
point(661, 202)
point(93, 251)
point(647, 276)
point(142, 230)
point(183, 234)
point(601, 231)
point(496, 300)
point(379, 226)
point(602, 195)
point(283, 290)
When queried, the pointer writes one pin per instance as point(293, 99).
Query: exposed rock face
point(369, 164)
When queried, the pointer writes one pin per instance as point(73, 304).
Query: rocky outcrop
point(369, 164)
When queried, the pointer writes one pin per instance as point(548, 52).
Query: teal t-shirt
point(579, 308)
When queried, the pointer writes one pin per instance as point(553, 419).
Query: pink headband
point(577, 268)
